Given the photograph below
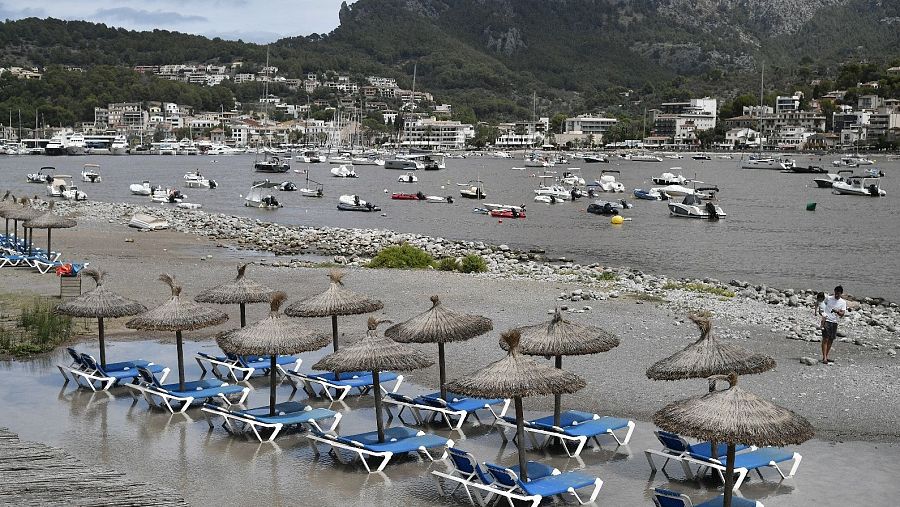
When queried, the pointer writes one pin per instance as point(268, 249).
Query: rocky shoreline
point(871, 322)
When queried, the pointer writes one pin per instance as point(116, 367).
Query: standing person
point(820, 310)
point(835, 308)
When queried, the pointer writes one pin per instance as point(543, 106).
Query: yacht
point(405, 164)
point(119, 146)
point(852, 162)
point(535, 160)
point(473, 190)
point(75, 144)
point(829, 179)
point(594, 158)
point(642, 157)
point(669, 178)
point(762, 162)
point(868, 186)
point(168, 146)
point(344, 171)
point(90, 173)
point(608, 183)
point(56, 145)
point(693, 207)
point(308, 157)
point(271, 164)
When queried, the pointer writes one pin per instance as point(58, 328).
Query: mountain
point(490, 55)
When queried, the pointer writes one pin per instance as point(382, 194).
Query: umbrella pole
point(557, 398)
point(443, 370)
point(49, 230)
point(30, 241)
point(271, 382)
point(180, 358)
point(714, 446)
point(334, 340)
point(102, 344)
point(520, 435)
point(729, 475)
point(243, 315)
point(376, 390)
point(16, 233)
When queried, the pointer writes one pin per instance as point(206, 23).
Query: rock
point(503, 248)
point(793, 300)
point(809, 361)
point(841, 333)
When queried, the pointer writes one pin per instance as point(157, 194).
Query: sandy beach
point(852, 401)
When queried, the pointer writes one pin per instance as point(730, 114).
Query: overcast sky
point(250, 20)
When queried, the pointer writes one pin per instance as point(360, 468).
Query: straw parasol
point(20, 213)
point(271, 336)
point(100, 303)
point(7, 205)
point(559, 337)
point(374, 353)
point(335, 301)
point(516, 376)
point(239, 291)
point(734, 416)
point(439, 325)
point(177, 314)
point(708, 356)
point(49, 221)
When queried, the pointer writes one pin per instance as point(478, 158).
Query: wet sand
point(852, 404)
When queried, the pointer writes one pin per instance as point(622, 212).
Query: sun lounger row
point(337, 387)
point(177, 399)
point(575, 428)
point(484, 484)
point(241, 368)
point(41, 263)
point(266, 426)
point(668, 498)
point(454, 411)
point(85, 371)
point(399, 440)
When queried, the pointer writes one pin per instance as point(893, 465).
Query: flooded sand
point(212, 467)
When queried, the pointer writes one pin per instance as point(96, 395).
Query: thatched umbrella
point(273, 335)
point(177, 314)
point(439, 325)
point(734, 416)
point(49, 221)
point(100, 303)
point(559, 337)
point(516, 376)
point(374, 353)
point(20, 213)
point(708, 356)
point(239, 291)
point(7, 205)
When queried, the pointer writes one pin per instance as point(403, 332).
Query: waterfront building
point(431, 133)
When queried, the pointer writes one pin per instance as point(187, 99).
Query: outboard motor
point(711, 210)
point(213, 184)
point(873, 190)
point(450, 199)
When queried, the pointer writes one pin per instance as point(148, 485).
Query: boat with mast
point(759, 161)
point(270, 163)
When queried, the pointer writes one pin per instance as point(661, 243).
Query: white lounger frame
point(92, 379)
point(416, 410)
point(683, 457)
point(234, 366)
point(499, 490)
point(237, 423)
point(298, 379)
point(362, 452)
point(743, 472)
point(166, 399)
point(580, 441)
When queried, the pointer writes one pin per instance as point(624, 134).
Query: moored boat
point(867, 186)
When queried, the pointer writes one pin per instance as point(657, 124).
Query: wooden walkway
point(36, 474)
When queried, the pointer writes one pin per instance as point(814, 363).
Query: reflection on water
point(211, 467)
point(768, 237)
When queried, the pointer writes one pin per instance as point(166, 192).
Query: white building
point(787, 103)
point(431, 133)
point(790, 137)
point(512, 140)
point(586, 124)
point(742, 137)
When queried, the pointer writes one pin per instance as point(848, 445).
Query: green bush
point(402, 257)
point(447, 264)
point(699, 287)
point(473, 263)
point(607, 276)
point(42, 326)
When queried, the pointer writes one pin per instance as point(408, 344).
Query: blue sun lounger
point(467, 473)
point(398, 440)
point(753, 460)
point(246, 366)
point(456, 406)
point(95, 377)
point(677, 448)
point(668, 498)
point(360, 380)
point(539, 488)
point(575, 426)
point(170, 397)
point(288, 415)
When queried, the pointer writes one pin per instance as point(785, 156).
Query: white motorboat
point(701, 156)
point(608, 183)
point(142, 188)
point(494, 206)
point(340, 160)
point(58, 185)
point(642, 157)
point(868, 186)
point(694, 207)
point(73, 194)
point(674, 156)
point(366, 161)
point(408, 178)
point(406, 164)
point(594, 158)
point(308, 157)
point(437, 199)
point(42, 176)
point(343, 171)
point(90, 173)
point(473, 190)
point(197, 180)
point(761, 162)
point(535, 160)
point(652, 194)
point(147, 222)
point(167, 195)
point(354, 203)
point(558, 191)
point(261, 195)
point(829, 179)
point(310, 190)
point(852, 162)
point(189, 205)
point(570, 177)
point(674, 190)
point(669, 178)
point(548, 199)
point(271, 164)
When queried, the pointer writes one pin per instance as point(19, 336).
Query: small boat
point(408, 178)
point(473, 190)
point(724, 157)
point(830, 178)
point(42, 176)
point(197, 180)
point(404, 164)
point(673, 190)
point(762, 162)
point(310, 191)
point(595, 159)
point(58, 185)
point(874, 172)
point(642, 157)
point(648, 195)
point(548, 199)
point(506, 213)
point(147, 222)
point(400, 196)
point(260, 195)
point(535, 160)
point(810, 169)
point(287, 186)
point(142, 188)
point(308, 157)
point(189, 205)
point(340, 160)
point(73, 194)
point(571, 178)
point(701, 156)
point(354, 203)
point(271, 164)
point(859, 185)
point(608, 183)
point(558, 191)
point(608, 208)
point(492, 206)
point(674, 156)
point(167, 195)
point(343, 171)
point(366, 161)
point(669, 178)
point(437, 198)
point(90, 173)
point(852, 162)
point(693, 207)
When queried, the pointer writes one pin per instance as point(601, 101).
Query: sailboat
point(759, 161)
point(309, 191)
point(270, 163)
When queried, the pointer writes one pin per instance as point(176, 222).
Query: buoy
point(617, 220)
point(810, 206)
point(500, 221)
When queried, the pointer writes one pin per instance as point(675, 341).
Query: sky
point(258, 21)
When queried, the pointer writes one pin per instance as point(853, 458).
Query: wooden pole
point(271, 383)
point(102, 344)
point(334, 340)
point(443, 370)
point(243, 315)
point(49, 230)
point(729, 475)
point(376, 390)
point(520, 435)
point(180, 359)
point(557, 398)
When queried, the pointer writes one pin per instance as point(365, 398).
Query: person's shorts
point(829, 332)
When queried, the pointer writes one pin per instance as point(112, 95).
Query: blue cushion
point(291, 418)
point(208, 392)
point(596, 427)
point(456, 401)
point(265, 361)
point(736, 501)
point(762, 457)
point(154, 368)
point(355, 378)
point(704, 449)
point(397, 439)
point(669, 498)
point(556, 484)
point(286, 406)
point(566, 418)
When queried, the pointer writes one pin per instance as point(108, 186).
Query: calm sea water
point(768, 236)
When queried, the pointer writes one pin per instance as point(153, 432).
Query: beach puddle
point(210, 467)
